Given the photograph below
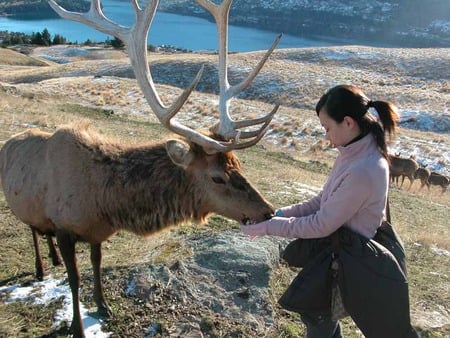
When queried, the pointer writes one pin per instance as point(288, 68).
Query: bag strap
point(388, 210)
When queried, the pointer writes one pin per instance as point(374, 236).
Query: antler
point(135, 40)
point(228, 128)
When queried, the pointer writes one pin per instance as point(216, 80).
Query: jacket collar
point(357, 147)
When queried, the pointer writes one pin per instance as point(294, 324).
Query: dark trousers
point(321, 327)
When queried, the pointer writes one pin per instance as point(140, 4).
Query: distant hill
point(38, 8)
point(400, 23)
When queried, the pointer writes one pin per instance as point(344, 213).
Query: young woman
point(355, 194)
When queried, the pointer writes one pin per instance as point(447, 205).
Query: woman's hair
point(348, 100)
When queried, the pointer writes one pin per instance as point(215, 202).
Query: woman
point(355, 193)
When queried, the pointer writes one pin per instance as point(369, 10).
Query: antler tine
point(135, 39)
point(244, 84)
point(227, 127)
point(252, 122)
point(93, 18)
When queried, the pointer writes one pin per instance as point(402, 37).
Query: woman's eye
point(218, 180)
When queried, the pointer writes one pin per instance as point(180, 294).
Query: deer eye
point(218, 180)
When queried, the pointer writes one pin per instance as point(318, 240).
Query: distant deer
point(422, 174)
point(405, 167)
point(81, 186)
point(439, 179)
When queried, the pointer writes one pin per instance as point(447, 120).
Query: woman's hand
point(253, 230)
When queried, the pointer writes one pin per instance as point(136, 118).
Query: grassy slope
point(421, 219)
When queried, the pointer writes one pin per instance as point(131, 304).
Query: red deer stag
point(405, 167)
point(79, 186)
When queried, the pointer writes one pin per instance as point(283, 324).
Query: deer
point(422, 174)
point(79, 185)
point(439, 179)
point(405, 167)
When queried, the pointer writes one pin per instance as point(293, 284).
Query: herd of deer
point(409, 168)
point(76, 185)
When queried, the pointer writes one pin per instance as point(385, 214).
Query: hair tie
point(370, 104)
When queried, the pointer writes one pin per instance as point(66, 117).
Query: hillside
point(398, 23)
point(211, 280)
point(27, 9)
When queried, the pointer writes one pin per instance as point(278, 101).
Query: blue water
point(167, 29)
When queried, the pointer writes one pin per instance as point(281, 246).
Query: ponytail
point(387, 113)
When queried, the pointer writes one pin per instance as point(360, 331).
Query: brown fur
point(78, 181)
point(440, 180)
point(422, 174)
point(77, 185)
point(404, 167)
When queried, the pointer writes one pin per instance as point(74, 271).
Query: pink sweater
point(354, 194)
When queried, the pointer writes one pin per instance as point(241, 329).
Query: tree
point(46, 37)
point(59, 40)
point(36, 38)
point(117, 43)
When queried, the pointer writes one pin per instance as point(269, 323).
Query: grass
point(421, 217)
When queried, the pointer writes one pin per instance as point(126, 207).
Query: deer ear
point(179, 152)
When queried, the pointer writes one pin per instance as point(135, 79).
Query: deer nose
point(268, 215)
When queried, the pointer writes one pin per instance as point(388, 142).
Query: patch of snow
point(440, 252)
point(433, 319)
point(48, 291)
point(426, 121)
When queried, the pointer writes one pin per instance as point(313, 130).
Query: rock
point(227, 275)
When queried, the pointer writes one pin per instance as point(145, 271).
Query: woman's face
point(339, 134)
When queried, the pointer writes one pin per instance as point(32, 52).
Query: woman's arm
point(340, 206)
point(301, 209)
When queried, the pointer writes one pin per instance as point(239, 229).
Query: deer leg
point(56, 260)
point(103, 308)
point(411, 181)
point(403, 180)
point(66, 243)
point(38, 259)
point(422, 184)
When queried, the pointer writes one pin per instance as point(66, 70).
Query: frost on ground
point(416, 80)
point(42, 293)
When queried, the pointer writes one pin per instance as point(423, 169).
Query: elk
point(405, 167)
point(438, 179)
point(80, 186)
point(422, 174)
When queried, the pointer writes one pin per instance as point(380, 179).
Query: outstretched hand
point(253, 230)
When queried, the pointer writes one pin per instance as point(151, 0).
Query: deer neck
point(147, 192)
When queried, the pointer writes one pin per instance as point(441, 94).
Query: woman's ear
point(350, 121)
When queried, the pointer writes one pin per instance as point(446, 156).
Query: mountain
point(400, 23)
point(38, 8)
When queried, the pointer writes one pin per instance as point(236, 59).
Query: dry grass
point(284, 167)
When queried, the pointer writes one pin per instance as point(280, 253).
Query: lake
point(167, 29)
